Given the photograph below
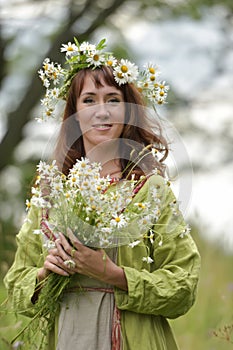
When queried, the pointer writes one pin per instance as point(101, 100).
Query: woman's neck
point(107, 155)
point(111, 168)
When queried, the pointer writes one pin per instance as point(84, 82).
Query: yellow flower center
point(152, 70)
point(141, 205)
point(70, 48)
point(124, 69)
point(152, 77)
point(96, 57)
point(161, 93)
point(109, 63)
point(119, 75)
point(117, 219)
point(73, 179)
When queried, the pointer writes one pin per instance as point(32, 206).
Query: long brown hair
point(138, 136)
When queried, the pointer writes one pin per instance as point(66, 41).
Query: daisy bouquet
point(100, 212)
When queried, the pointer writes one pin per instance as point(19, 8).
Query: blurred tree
point(92, 15)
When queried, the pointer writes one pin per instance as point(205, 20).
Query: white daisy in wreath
point(95, 59)
point(125, 72)
point(69, 49)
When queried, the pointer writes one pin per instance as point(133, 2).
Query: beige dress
point(85, 320)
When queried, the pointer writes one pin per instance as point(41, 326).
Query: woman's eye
point(114, 100)
point(88, 100)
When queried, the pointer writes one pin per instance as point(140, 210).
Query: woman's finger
point(56, 269)
point(63, 249)
point(70, 250)
point(74, 240)
point(55, 264)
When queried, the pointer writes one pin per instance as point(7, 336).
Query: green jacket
point(163, 289)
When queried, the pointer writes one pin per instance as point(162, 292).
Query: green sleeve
point(20, 280)
point(167, 287)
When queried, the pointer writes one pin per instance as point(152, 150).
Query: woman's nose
point(102, 110)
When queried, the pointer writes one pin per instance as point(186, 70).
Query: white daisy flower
point(49, 245)
point(45, 169)
point(57, 188)
point(147, 259)
point(69, 49)
point(95, 59)
point(28, 204)
point(134, 244)
point(37, 232)
point(111, 61)
point(54, 93)
point(125, 72)
point(152, 68)
point(106, 230)
point(141, 205)
point(186, 231)
point(151, 237)
point(162, 86)
point(86, 47)
point(40, 202)
point(174, 207)
point(146, 220)
point(118, 221)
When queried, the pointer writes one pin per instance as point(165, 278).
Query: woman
point(117, 299)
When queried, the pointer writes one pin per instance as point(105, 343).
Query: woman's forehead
point(91, 84)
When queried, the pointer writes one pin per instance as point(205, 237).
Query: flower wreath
point(57, 80)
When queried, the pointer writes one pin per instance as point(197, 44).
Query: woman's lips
point(102, 126)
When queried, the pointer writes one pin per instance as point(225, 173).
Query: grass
point(213, 309)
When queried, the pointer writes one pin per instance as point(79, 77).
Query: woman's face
point(100, 112)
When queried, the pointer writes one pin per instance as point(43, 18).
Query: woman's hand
point(54, 262)
point(86, 261)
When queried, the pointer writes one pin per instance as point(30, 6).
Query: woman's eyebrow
point(93, 93)
point(114, 93)
point(87, 93)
